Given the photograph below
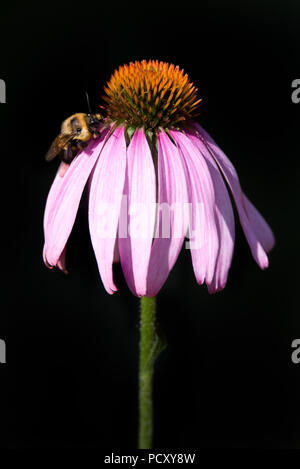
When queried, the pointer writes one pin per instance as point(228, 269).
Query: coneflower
point(153, 162)
point(155, 153)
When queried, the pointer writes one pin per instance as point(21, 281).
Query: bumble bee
point(76, 131)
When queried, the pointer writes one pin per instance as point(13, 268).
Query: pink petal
point(205, 243)
point(262, 229)
point(63, 200)
point(172, 190)
point(140, 190)
point(225, 220)
point(63, 169)
point(232, 179)
point(45, 258)
point(61, 264)
point(106, 189)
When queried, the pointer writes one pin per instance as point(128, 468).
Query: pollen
point(151, 94)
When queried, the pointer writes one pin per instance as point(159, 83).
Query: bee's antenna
point(88, 103)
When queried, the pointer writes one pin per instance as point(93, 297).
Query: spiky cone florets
point(151, 95)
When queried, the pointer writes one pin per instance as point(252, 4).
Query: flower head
point(155, 177)
point(151, 95)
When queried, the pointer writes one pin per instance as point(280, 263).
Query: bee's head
point(80, 129)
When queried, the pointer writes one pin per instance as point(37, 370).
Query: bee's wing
point(57, 146)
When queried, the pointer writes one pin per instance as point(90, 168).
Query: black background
point(226, 379)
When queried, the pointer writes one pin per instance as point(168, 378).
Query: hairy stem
point(150, 347)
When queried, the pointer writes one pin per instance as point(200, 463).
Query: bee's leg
point(95, 132)
point(67, 154)
point(80, 144)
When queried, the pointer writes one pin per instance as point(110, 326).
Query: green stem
point(147, 339)
point(148, 352)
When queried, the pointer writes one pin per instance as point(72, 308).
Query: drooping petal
point(45, 258)
point(173, 200)
point(105, 198)
point(232, 179)
point(140, 190)
point(262, 229)
point(204, 243)
point(225, 219)
point(61, 263)
point(63, 200)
